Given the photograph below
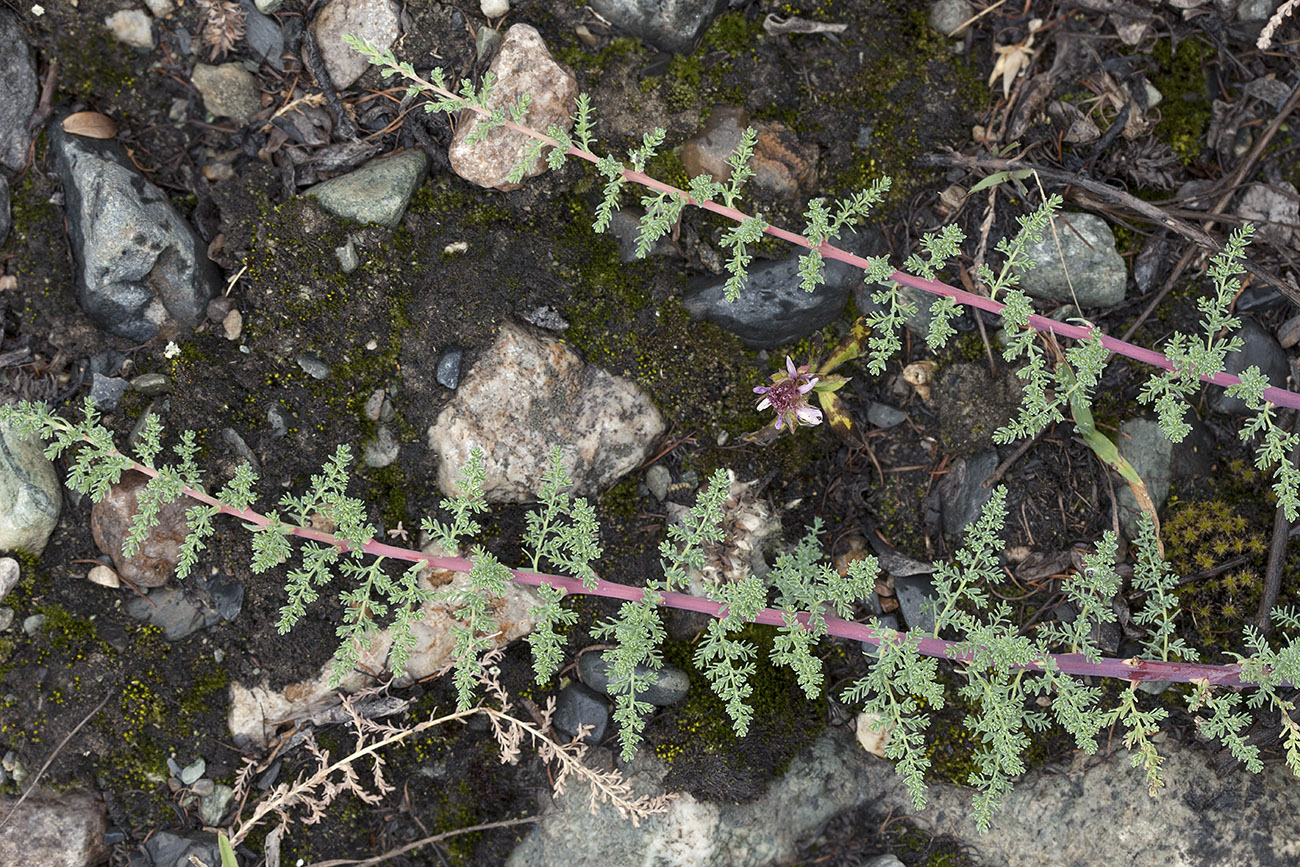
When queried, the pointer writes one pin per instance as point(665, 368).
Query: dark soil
point(410, 301)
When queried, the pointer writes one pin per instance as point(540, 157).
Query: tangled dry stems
point(306, 799)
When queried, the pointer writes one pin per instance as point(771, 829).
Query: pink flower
point(788, 395)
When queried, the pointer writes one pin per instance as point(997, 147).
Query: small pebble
point(193, 771)
point(313, 365)
point(233, 325)
point(494, 8)
point(33, 624)
point(104, 576)
point(347, 256)
point(448, 373)
point(6, 618)
point(152, 384)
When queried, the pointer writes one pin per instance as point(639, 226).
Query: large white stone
point(522, 65)
point(527, 395)
point(256, 711)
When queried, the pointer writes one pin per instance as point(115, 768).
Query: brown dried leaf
point(90, 124)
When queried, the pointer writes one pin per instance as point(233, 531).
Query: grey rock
point(528, 394)
point(1152, 264)
point(30, 494)
point(191, 772)
point(203, 787)
point(883, 415)
point(522, 65)
point(6, 617)
point(1158, 462)
point(180, 613)
point(915, 594)
point(377, 192)
point(32, 623)
point(262, 34)
point(152, 384)
point(382, 450)
point(4, 209)
point(947, 15)
point(487, 42)
point(375, 404)
point(313, 365)
point(164, 849)
point(657, 479)
point(18, 96)
point(578, 706)
point(547, 318)
point(279, 419)
point(375, 21)
point(1273, 209)
point(1096, 270)
point(108, 362)
point(671, 25)
point(668, 685)
point(213, 807)
point(229, 90)
point(64, 830)
point(138, 262)
point(625, 226)
point(236, 446)
point(962, 493)
point(107, 390)
point(1256, 10)
point(772, 309)
point(448, 372)
point(1259, 349)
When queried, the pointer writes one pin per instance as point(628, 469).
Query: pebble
point(782, 166)
point(212, 808)
point(947, 15)
point(347, 256)
point(657, 480)
point(152, 384)
point(1259, 349)
point(193, 771)
point(448, 372)
point(33, 623)
point(578, 706)
point(313, 365)
point(377, 192)
point(233, 325)
point(131, 26)
point(375, 21)
point(6, 617)
point(10, 572)
point(523, 64)
point(1096, 272)
point(382, 450)
point(104, 576)
point(31, 495)
point(17, 97)
point(106, 391)
point(668, 685)
point(229, 90)
point(670, 26)
point(494, 8)
point(882, 415)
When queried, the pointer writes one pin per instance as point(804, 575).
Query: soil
point(872, 99)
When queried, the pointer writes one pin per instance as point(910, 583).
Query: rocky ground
point(217, 215)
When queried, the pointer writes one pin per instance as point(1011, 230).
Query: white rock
point(1273, 209)
point(104, 577)
point(132, 27)
point(522, 65)
point(255, 712)
point(233, 325)
point(9, 575)
point(494, 8)
point(872, 738)
point(526, 396)
point(372, 20)
point(160, 8)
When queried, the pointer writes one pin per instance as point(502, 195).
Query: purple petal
point(762, 389)
point(789, 366)
point(808, 386)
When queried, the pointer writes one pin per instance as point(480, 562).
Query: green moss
point(95, 66)
point(1185, 110)
point(621, 502)
point(697, 738)
point(63, 629)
